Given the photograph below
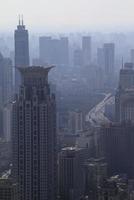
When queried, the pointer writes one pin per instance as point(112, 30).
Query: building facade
point(34, 136)
point(124, 98)
point(71, 173)
point(8, 189)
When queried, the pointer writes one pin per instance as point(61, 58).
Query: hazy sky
point(68, 14)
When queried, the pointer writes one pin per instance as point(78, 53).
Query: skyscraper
point(86, 48)
point(116, 143)
point(21, 50)
point(132, 55)
point(54, 51)
point(34, 136)
point(124, 99)
point(71, 173)
point(21, 46)
point(109, 59)
point(6, 86)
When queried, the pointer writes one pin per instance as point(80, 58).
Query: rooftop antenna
point(22, 20)
point(19, 20)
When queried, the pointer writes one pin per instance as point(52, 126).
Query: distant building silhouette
point(6, 86)
point(54, 51)
point(86, 48)
point(34, 136)
point(132, 55)
point(124, 99)
point(109, 58)
point(109, 63)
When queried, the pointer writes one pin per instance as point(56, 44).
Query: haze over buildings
point(69, 135)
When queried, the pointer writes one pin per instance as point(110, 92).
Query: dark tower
point(21, 50)
point(34, 136)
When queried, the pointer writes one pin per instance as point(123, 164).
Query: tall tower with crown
point(21, 49)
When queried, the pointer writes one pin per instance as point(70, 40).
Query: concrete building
point(8, 189)
point(132, 56)
point(124, 99)
point(21, 51)
point(95, 173)
point(71, 173)
point(109, 64)
point(7, 121)
point(6, 86)
point(75, 122)
point(86, 49)
point(116, 144)
point(114, 188)
point(109, 58)
point(34, 136)
point(54, 51)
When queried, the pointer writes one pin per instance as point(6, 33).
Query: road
point(96, 115)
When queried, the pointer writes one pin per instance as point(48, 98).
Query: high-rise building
point(6, 86)
point(109, 60)
point(45, 50)
point(132, 55)
point(8, 189)
point(54, 51)
point(21, 46)
point(7, 119)
point(34, 136)
point(86, 48)
point(6, 80)
point(75, 122)
point(21, 51)
point(95, 172)
point(116, 144)
point(124, 99)
point(71, 174)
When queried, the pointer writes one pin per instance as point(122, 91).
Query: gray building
point(71, 173)
point(95, 172)
point(8, 189)
point(54, 51)
point(86, 48)
point(21, 51)
point(132, 55)
point(6, 86)
point(124, 99)
point(34, 136)
point(109, 62)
